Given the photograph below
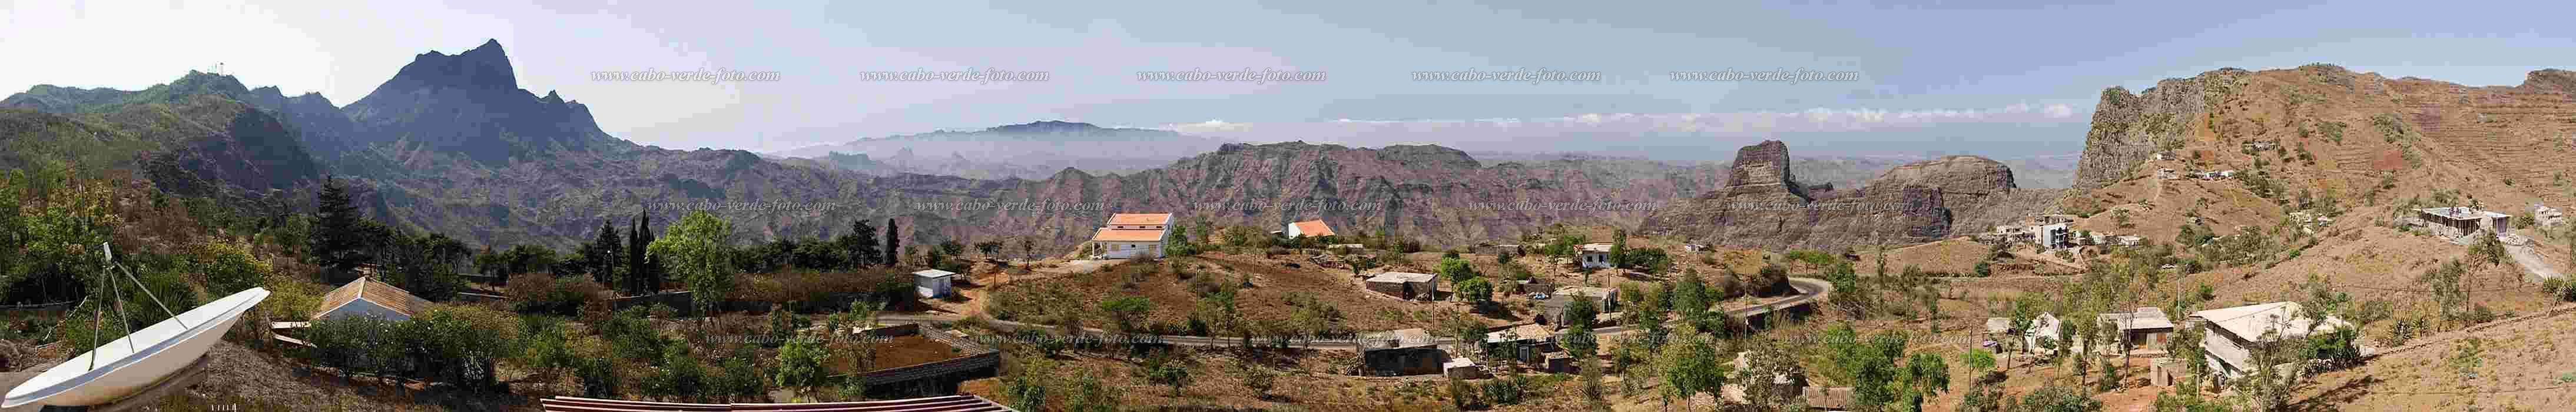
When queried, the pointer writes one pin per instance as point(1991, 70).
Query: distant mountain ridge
point(1032, 151)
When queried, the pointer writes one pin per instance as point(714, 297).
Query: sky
point(1991, 78)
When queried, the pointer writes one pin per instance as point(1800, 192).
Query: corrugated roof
point(1399, 338)
point(379, 293)
point(1140, 219)
point(2251, 321)
point(1402, 277)
point(1314, 228)
point(2461, 213)
point(1596, 248)
point(934, 273)
point(2140, 319)
point(1127, 235)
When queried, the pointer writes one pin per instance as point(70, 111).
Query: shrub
point(226, 267)
point(540, 293)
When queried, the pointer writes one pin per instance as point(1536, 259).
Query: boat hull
point(135, 362)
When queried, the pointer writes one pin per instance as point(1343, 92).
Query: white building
point(1309, 228)
point(2053, 236)
point(1133, 235)
point(367, 297)
point(1594, 255)
point(933, 283)
point(2232, 331)
point(2044, 327)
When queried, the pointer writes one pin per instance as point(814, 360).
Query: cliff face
point(1763, 207)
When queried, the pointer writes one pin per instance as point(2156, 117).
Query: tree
point(604, 253)
point(1691, 297)
point(1127, 312)
point(335, 230)
point(697, 251)
point(800, 363)
point(1690, 366)
point(862, 244)
point(1478, 292)
point(893, 245)
point(644, 276)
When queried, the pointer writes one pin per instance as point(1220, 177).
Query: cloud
point(1597, 124)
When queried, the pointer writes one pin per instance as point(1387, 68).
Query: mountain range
point(451, 143)
point(1032, 151)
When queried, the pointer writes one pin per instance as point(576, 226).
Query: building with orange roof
point(1133, 235)
point(1309, 228)
point(367, 297)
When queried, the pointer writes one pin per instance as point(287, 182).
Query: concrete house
point(2141, 328)
point(2454, 222)
point(1315, 228)
point(933, 283)
point(1406, 285)
point(1133, 235)
point(2053, 236)
point(1401, 352)
point(1527, 343)
point(2234, 331)
point(367, 297)
point(1604, 301)
point(1593, 255)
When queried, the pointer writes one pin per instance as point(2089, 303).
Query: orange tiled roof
point(1128, 235)
point(1314, 228)
point(1140, 219)
point(382, 294)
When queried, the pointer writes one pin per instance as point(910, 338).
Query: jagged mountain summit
point(470, 103)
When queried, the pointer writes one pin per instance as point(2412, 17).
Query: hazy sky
point(1946, 77)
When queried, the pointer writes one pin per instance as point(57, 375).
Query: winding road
point(1810, 291)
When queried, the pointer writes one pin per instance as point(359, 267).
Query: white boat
point(136, 362)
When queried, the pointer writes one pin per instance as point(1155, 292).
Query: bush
point(541, 293)
point(226, 267)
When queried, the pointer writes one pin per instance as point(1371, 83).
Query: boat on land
point(132, 364)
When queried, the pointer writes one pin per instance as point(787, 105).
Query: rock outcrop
point(2129, 128)
point(1762, 206)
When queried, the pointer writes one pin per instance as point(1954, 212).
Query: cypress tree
point(335, 228)
point(642, 275)
point(862, 242)
point(893, 244)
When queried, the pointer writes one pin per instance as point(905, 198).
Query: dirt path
point(2531, 262)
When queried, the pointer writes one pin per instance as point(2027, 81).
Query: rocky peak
point(484, 67)
point(1958, 174)
point(1763, 163)
point(1429, 155)
point(2551, 79)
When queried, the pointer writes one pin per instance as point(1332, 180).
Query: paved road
point(1810, 291)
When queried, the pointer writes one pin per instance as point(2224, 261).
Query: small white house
point(933, 283)
point(367, 297)
point(1133, 235)
point(1594, 255)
